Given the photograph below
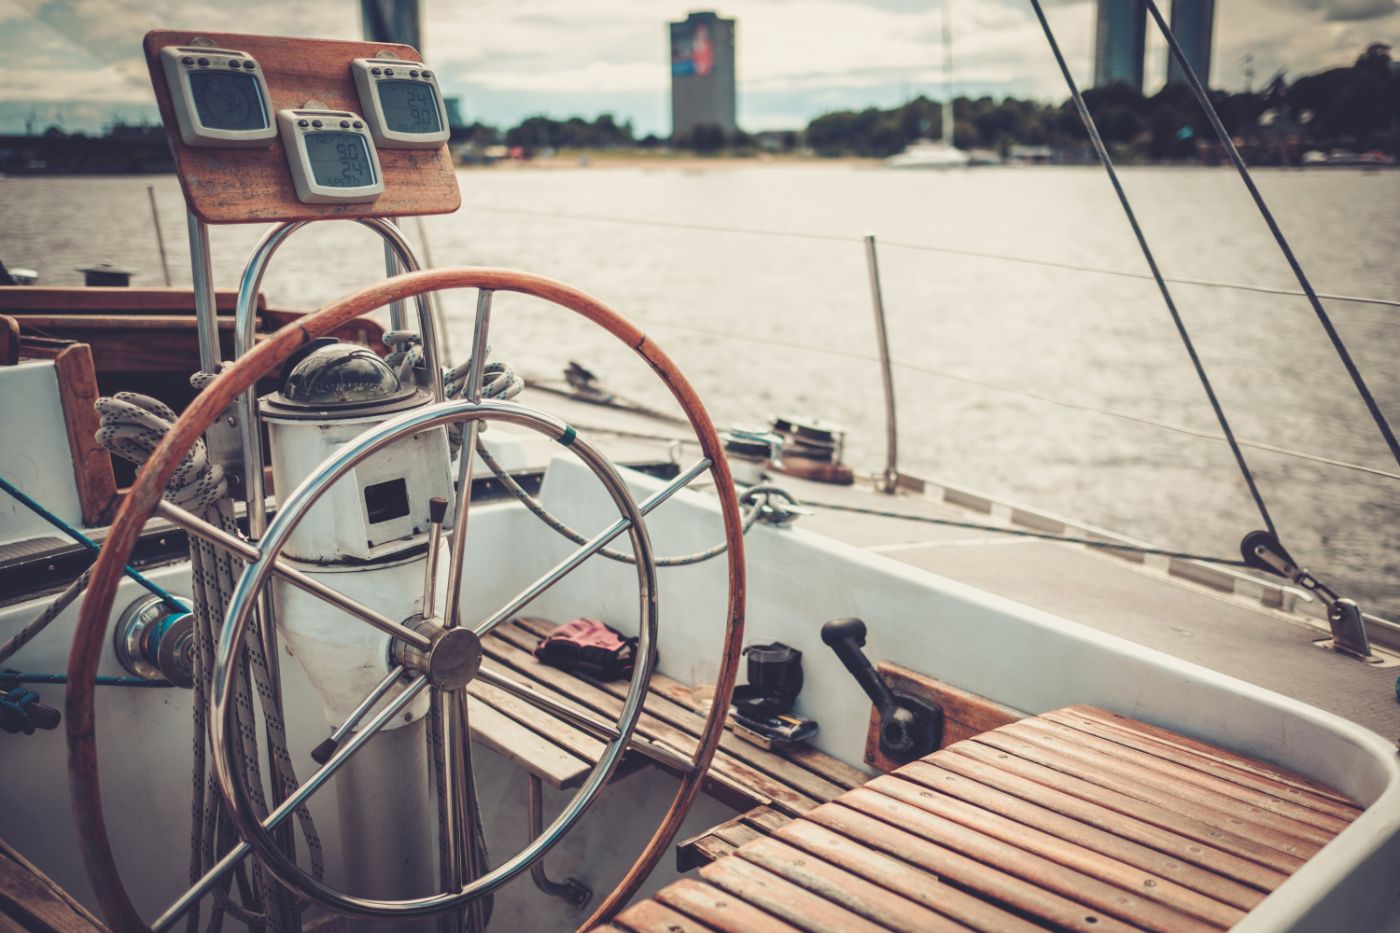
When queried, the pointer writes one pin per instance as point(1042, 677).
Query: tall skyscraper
point(702, 73)
point(1193, 22)
point(1120, 34)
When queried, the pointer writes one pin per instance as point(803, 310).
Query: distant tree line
point(1356, 107)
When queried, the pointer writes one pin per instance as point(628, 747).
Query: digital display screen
point(339, 160)
point(228, 101)
point(410, 107)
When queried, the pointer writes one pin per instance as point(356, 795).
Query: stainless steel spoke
point(594, 545)
point(198, 527)
point(437, 511)
point(322, 753)
point(448, 803)
point(290, 805)
point(466, 454)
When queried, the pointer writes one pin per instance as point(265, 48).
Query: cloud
point(509, 58)
point(1351, 10)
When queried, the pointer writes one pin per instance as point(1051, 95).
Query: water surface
point(1004, 367)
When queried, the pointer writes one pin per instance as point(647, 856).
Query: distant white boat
point(929, 153)
point(937, 153)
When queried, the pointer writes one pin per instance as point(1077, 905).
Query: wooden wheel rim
point(90, 634)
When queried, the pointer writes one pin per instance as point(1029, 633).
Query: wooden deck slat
point(1215, 753)
point(574, 741)
point(783, 899)
point(900, 876)
point(1161, 803)
point(719, 909)
point(1214, 766)
point(1172, 793)
point(766, 819)
point(1084, 834)
point(517, 743)
point(1258, 865)
point(737, 834)
point(887, 909)
point(1294, 812)
point(969, 874)
point(651, 917)
point(1051, 876)
point(1149, 885)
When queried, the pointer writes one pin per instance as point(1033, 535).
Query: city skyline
point(507, 61)
point(1120, 41)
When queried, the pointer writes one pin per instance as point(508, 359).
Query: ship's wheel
point(439, 656)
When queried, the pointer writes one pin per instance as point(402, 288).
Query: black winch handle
point(909, 728)
point(846, 637)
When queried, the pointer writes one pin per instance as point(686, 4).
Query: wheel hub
point(452, 661)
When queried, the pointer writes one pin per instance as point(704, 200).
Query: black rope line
point(1204, 100)
point(1026, 533)
point(1102, 151)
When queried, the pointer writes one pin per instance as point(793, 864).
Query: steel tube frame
point(202, 279)
point(890, 478)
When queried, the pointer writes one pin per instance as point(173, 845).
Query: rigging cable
point(1027, 533)
point(154, 588)
point(1204, 100)
point(1102, 151)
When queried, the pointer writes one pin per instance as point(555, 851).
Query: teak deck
point(1078, 819)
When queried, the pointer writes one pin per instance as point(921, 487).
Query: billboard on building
point(692, 49)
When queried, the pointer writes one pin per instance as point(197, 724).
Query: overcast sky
point(508, 59)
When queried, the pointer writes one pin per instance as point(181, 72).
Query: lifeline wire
point(933, 248)
point(1026, 533)
point(1371, 405)
point(1102, 151)
point(155, 588)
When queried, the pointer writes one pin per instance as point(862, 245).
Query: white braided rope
point(131, 427)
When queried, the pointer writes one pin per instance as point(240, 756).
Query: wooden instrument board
point(239, 186)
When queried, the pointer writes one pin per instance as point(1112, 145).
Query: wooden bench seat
point(1078, 819)
point(744, 776)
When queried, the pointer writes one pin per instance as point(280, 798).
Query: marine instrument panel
point(220, 96)
point(331, 155)
point(268, 128)
point(401, 102)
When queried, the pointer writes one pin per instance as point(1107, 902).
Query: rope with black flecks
point(132, 426)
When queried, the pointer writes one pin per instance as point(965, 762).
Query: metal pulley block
point(1262, 551)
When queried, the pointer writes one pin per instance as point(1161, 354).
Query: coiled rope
point(132, 426)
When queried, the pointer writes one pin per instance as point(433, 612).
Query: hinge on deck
point(1262, 551)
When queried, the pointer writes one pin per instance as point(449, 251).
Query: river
point(1019, 375)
